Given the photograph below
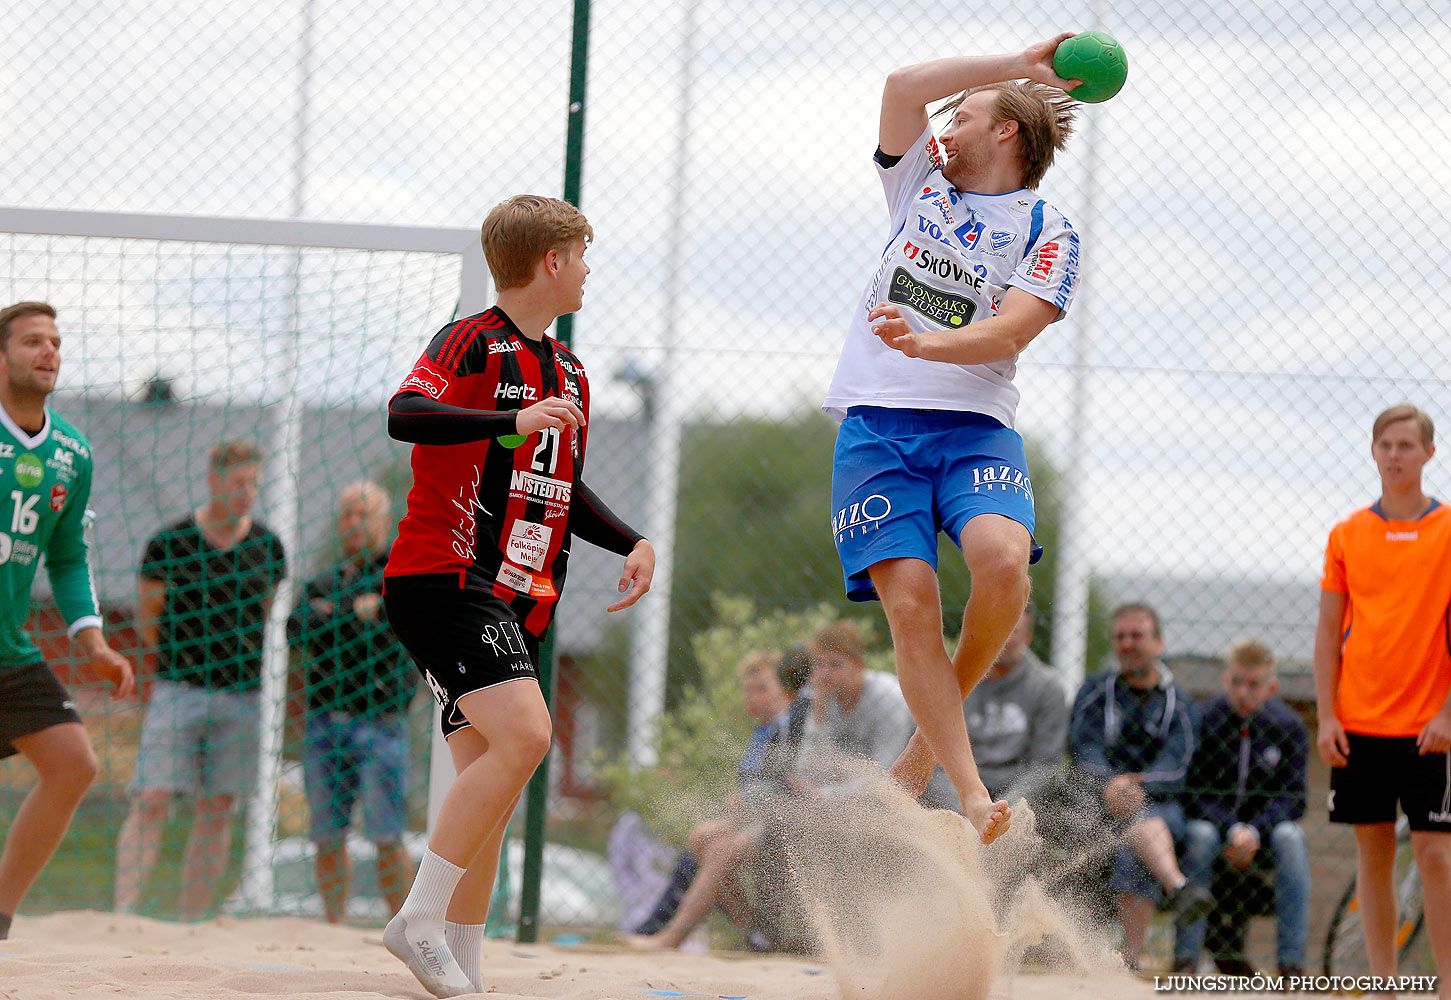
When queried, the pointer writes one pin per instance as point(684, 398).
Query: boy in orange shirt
point(1382, 680)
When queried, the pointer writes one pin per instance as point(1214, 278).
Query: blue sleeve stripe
point(1036, 230)
point(894, 236)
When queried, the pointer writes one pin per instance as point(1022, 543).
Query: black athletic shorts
point(462, 641)
point(32, 698)
point(1384, 770)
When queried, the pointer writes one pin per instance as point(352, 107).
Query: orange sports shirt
point(1395, 664)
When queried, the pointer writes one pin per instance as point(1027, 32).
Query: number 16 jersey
point(45, 484)
point(486, 515)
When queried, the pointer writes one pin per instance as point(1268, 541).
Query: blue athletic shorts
point(901, 476)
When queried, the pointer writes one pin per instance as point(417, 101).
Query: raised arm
point(910, 89)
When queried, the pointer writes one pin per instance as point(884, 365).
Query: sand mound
point(905, 903)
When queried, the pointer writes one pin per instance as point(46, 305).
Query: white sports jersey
point(952, 256)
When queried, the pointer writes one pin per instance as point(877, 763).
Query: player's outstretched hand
point(1436, 736)
point(1039, 58)
point(888, 324)
point(636, 576)
point(1331, 742)
point(548, 412)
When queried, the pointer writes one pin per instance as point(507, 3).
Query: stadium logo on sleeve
point(426, 380)
point(942, 307)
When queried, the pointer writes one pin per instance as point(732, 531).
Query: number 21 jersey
point(490, 516)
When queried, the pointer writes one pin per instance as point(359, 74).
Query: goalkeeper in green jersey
point(45, 483)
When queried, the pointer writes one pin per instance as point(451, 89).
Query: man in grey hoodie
point(1018, 717)
point(1017, 714)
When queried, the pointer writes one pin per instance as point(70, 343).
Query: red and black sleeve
point(417, 419)
point(591, 520)
point(430, 407)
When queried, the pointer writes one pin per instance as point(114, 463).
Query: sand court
point(90, 954)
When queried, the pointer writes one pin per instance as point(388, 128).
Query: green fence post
point(537, 796)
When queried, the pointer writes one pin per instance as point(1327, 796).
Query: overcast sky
point(1264, 259)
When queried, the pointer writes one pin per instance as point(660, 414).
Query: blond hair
point(1404, 411)
point(842, 638)
point(1251, 653)
point(20, 310)
point(757, 661)
point(1045, 121)
point(517, 233)
point(226, 454)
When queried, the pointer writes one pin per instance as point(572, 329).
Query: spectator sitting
point(359, 682)
point(855, 712)
point(1018, 718)
point(1132, 735)
point(794, 670)
point(707, 874)
point(1244, 793)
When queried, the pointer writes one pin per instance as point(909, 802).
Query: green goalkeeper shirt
point(45, 484)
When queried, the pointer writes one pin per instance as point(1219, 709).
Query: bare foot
point(990, 819)
point(914, 765)
point(644, 942)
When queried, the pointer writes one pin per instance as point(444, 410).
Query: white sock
point(432, 889)
point(466, 941)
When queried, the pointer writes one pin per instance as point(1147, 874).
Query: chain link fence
point(1260, 269)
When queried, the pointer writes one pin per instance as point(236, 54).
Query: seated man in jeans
point(1245, 790)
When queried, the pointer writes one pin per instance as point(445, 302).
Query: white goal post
point(284, 456)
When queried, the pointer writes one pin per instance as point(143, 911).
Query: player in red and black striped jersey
point(498, 414)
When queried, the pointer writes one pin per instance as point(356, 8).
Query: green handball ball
point(510, 441)
point(1096, 58)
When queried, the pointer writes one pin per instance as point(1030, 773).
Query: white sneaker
point(425, 952)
